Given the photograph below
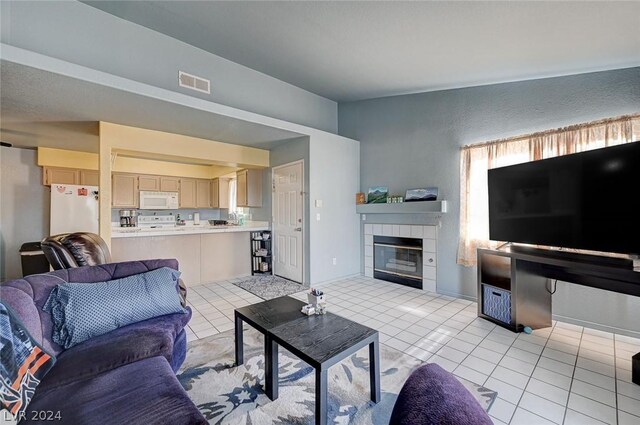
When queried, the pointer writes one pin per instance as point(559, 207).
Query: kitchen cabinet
point(193, 193)
point(241, 188)
point(220, 193)
point(148, 183)
point(124, 190)
point(188, 193)
point(249, 190)
point(55, 175)
point(89, 177)
point(169, 184)
point(203, 193)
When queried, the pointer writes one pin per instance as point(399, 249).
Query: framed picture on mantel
point(425, 194)
point(377, 195)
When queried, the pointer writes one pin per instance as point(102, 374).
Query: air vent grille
point(194, 83)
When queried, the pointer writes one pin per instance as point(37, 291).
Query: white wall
point(83, 35)
point(334, 178)
point(24, 207)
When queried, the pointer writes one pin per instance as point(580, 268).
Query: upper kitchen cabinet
point(124, 190)
point(203, 193)
point(169, 184)
point(188, 193)
point(89, 177)
point(249, 192)
point(55, 175)
point(148, 183)
point(220, 193)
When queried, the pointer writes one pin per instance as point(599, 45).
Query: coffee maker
point(128, 218)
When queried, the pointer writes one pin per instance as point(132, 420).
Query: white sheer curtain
point(476, 160)
point(233, 196)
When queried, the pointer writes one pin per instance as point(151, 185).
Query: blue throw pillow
point(81, 311)
point(23, 364)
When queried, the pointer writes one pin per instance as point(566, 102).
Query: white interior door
point(287, 221)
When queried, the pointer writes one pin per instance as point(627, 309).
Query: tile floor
point(565, 374)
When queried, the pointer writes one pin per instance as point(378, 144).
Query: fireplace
point(398, 260)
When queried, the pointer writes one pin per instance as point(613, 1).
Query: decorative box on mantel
point(395, 268)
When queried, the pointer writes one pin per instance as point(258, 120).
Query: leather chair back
point(70, 250)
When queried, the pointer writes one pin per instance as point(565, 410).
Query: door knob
point(298, 229)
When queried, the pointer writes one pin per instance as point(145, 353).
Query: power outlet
point(190, 216)
point(364, 217)
point(335, 261)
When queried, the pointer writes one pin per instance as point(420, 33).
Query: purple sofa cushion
point(432, 395)
point(128, 344)
point(27, 296)
point(140, 393)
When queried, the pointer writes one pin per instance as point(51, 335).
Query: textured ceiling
point(354, 50)
point(40, 108)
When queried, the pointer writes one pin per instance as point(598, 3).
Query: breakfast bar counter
point(136, 232)
point(205, 253)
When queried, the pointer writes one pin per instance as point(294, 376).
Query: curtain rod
point(557, 130)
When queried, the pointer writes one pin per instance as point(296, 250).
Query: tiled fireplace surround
point(428, 234)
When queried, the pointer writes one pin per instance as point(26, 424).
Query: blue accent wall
point(414, 141)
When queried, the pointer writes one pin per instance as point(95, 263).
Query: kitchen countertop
point(137, 232)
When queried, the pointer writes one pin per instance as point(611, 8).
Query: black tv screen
point(587, 200)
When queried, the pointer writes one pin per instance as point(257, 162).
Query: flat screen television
point(588, 200)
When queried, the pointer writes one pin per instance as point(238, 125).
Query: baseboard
point(330, 281)
point(454, 295)
point(598, 326)
point(566, 319)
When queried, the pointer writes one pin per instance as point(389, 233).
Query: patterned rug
point(269, 287)
point(229, 395)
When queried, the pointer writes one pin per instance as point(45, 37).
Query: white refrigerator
point(74, 209)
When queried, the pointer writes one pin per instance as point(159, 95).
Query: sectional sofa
point(126, 376)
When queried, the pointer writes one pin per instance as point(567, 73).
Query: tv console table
point(514, 290)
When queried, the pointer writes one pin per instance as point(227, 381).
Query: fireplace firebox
point(398, 260)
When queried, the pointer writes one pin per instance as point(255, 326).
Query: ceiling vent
point(194, 83)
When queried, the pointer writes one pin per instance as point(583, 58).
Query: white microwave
point(158, 200)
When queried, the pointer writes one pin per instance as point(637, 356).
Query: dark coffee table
point(322, 341)
point(263, 317)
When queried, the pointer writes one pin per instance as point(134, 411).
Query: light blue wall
point(334, 179)
point(414, 141)
point(80, 34)
point(331, 174)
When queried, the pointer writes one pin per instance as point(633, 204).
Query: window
point(476, 160)
point(233, 196)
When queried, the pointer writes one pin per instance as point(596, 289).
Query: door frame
point(304, 213)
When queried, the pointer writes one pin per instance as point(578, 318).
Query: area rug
point(228, 395)
point(269, 287)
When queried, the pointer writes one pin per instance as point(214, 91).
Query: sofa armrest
point(128, 344)
point(431, 395)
